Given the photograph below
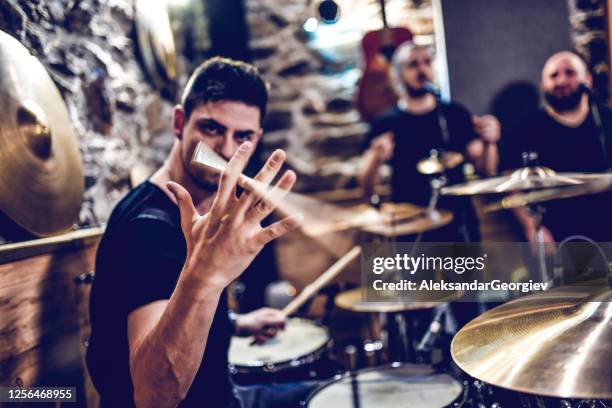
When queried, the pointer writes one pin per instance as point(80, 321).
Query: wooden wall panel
point(44, 321)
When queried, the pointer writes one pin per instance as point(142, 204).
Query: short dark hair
point(224, 79)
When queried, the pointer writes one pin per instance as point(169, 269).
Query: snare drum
point(393, 386)
point(289, 356)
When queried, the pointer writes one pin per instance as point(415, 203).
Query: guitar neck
point(383, 13)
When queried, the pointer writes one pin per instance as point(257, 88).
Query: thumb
point(185, 205)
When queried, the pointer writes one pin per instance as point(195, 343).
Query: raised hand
point(223, 242)
point(383, 146)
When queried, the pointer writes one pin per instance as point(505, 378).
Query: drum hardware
point(396, 335)
point(41, 176)
point(350, 353)
point(428, 340)
point(85, 278)
point(371, 352)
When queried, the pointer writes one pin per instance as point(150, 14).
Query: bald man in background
point(568, 138)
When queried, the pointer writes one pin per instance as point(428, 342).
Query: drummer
point(159, 316)
point(568, 138)
point(419, 123)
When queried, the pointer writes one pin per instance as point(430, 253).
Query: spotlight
point(329, 11)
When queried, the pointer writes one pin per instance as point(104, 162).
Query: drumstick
point(326, 277)
point(204, 156)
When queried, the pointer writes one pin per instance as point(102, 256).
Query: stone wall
point(312, 115)
point(121, 122)
point(590, 38)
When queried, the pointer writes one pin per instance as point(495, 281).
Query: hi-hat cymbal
point(351, 300)
point(408, 222)
point(436, 164)
point(41, 178)
point(604, 183)
point(556, 343)
point(524, 179)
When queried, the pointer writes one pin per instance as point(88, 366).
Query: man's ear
point(588, 80)
point(178, 121)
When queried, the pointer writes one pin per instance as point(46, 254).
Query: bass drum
point(297, 353)
point(394, 386)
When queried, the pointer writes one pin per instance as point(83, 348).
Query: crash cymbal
point(156, 43)
point(41, 179)
point(524, 179)
point(402, 224)
point(604, 183)
point(351, 300)
point(556, 343)
point(436, 163)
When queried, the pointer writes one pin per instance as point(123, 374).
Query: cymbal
point(435, 164)
point(524, 179)
point(420, 221)
point(156, 43)
point(519, 200)
point(351, 300)
point(556, 343)
point(41, 178)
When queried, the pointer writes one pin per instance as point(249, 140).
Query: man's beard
point(415, 92)
point(564, 103)
point(201, 178)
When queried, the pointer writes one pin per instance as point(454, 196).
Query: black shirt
point(138, 262)
point(566, 149)
point(415, 136)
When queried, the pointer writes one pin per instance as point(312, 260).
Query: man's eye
point(243, 138)
point(210, 129)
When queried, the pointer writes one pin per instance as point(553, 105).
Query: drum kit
point(543, 350)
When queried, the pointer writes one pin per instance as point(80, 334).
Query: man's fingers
point(185, 204)
point(264, 178)
point(278, 229)
point(229, 177)
point(273, 198)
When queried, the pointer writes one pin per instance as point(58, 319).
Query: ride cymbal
point(600, 185)
point(556, 343)
point(41, 178)
point(524, 179)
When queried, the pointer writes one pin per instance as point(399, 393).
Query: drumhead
point(399, 385)
point(300, 338)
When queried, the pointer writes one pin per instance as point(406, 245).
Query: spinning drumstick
point(320, 218)
point(309, 291)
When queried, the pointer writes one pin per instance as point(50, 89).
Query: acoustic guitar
point(375, 93)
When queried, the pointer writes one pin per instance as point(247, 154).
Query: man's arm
point(380, 150)
point(483, 152)
point(167, 338)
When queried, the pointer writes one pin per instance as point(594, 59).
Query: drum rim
point(342, 376)
point(285, 364)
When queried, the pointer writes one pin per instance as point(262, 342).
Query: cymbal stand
point(536, 212)
point(436, 183)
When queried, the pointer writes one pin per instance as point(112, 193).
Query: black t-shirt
point(566, 149)
point(139, 261)
point(415, 136)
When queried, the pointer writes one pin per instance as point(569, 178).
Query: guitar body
point(376, 93)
